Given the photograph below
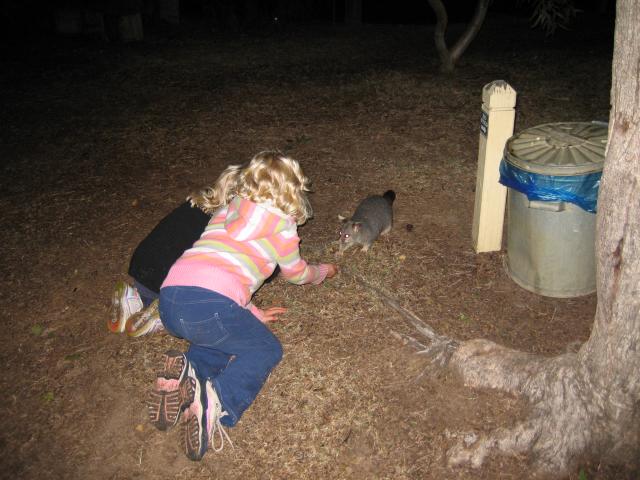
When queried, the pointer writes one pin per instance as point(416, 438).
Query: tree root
point(474, 451)
point(566, 419)
point(440, 349)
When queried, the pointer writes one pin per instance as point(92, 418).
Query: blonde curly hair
point(269, 177)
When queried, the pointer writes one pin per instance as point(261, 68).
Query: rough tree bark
point(449, 57)
point(584, 405)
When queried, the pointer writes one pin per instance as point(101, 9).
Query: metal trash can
point(553, 172)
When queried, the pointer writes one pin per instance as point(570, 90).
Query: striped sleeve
point(293, 268)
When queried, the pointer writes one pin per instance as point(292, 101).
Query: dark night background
point(111, 112)
point(25, 21)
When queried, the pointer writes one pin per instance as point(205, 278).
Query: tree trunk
point(583, 405)
point(448, 58)
point(353, 12)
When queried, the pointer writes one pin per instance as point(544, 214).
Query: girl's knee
point(279, 353)
point(275, 352)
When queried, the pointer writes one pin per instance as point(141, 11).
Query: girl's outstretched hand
point(332, 270)
point(271, 314)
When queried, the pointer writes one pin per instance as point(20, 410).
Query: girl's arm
point(293, 267)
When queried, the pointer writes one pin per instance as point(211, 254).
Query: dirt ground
point(99, 141)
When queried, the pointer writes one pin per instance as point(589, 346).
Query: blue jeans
point(146, 295)
point(228, 344)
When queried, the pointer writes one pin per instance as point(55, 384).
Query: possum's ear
point(342, 218)
point(356, 226)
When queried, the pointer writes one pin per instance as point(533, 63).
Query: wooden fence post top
point(499, 94)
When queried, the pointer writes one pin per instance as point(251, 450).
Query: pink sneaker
point(202, 420)
point(125, 302)
point(173, 391)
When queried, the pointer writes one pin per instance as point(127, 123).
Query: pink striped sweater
point(239, 249)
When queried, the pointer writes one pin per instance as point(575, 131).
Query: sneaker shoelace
point(146, 322)
point(157, 325)
point(134, 297)
point(214, 414)
point(125, 303)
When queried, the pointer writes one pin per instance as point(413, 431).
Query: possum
point(373, 217)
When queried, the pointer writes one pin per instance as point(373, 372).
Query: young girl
point(206, 299)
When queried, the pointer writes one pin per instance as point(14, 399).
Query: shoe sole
point(164, 408)
point(172, 366)
point(194, 435)
point(173, 392)
point(115, 324)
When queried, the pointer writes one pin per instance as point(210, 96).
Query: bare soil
point(99, 141)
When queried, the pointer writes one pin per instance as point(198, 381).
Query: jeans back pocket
point(208, 332)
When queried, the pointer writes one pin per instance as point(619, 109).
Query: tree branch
point(442, 20)
point(441, 347)
point(471, 31)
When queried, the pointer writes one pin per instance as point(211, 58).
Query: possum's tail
point(389, 196)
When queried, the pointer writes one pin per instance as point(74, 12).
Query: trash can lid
point(565, 148)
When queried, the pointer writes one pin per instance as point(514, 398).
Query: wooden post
point(496, 126)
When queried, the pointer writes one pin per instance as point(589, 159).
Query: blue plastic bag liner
point(581, 190)
point(557, 162)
